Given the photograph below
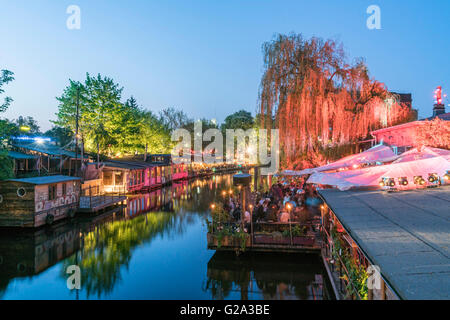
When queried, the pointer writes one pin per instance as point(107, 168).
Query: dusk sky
point(205, 57)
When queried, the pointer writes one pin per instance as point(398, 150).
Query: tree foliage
point(6, 76)
point(239, 120)
point(6, 165)
point(106, 124)
point(434, 133)
point(319, 100)
point(29, 122)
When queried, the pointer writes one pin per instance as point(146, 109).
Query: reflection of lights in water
point(198, 190)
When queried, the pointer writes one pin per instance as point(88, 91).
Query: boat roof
point(128, 165)
point(20, 155)
point(43, 147)
point(45, 179)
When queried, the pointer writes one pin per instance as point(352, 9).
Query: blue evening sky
point(205, 56)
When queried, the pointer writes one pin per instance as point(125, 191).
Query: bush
point(6, 165)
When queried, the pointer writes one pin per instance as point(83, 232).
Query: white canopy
point(379, 153)
point(410, 164)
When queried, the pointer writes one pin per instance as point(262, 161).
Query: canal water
point(154, 249)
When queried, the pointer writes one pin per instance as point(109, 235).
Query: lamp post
point(243, 180)
point(289, 207)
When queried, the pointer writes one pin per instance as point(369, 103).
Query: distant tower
point(439, 107)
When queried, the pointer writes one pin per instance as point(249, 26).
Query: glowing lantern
point(403, 181)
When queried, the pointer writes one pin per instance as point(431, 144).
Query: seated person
point(284, 216)
point(272, 213)
point(247, 217)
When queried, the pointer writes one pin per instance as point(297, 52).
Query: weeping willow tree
point(319, 101)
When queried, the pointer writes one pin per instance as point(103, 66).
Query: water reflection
point(266, 276)
point(25, 253)
point(153, 248)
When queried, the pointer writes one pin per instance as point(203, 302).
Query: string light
point(433, 177)
point(447, 176)
point(419, 180)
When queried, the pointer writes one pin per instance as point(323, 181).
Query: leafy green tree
point(154, 136)
point(103, 97)
point(74, 94)
point(62, 136)
point(6, 165)
point(239, 120)
point(206, 125)
point(107, 125)
point(6, 129)
point(30, 123)
point(6, 76)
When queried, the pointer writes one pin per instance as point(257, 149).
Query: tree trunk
point(98, 154)
point(146, 149)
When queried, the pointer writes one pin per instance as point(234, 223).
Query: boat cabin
point(129, 176)
point(34, 202)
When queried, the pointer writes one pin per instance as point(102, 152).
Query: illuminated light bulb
point(213, 206)
point(433, 177)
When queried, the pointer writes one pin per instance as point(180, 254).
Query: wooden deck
point(97, 203)
point(310, 244)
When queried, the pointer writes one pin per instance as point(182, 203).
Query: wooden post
point(370, 294)
point(290, 226)
point(383, 290)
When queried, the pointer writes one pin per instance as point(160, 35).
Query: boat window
point(118, 178)
point(107, 178)
point(52, 192)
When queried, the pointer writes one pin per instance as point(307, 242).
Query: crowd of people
point(284, 202)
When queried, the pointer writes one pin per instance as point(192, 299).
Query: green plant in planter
point(221, 233)
point(357, 275)
point(219, 214)
point(242, 237)
point(298, 231)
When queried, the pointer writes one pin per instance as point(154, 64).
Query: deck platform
point(407, 234)
point(298, 245)
point(98, 203)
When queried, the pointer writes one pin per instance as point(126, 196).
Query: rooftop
point(43, 147)
point(20, 155)
point(45, 180)
point(407, 234)
point(127, 165)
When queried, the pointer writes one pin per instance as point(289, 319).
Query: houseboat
point(34, 202)
point(42, 155)
point(123, 177)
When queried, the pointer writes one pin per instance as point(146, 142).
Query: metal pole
point(290, 225)
point(76, 131)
